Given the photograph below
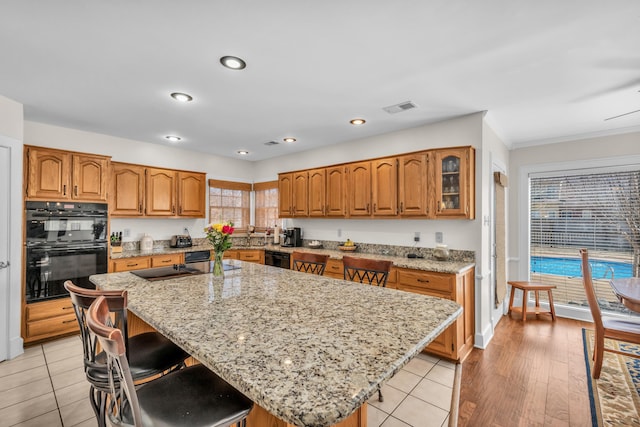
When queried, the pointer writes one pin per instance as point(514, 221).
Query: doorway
point(5, 203)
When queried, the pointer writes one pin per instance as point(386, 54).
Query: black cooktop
point(179, 270)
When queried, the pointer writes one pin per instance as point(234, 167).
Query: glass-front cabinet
point(454, 181)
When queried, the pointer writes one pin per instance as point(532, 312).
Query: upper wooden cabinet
point(192, 191)
point(336, 190)
point(317, 192)
point(438, 183)
point(153, 192)
point(454, 171)
point(62, 175)
point(126, 197)
point(412, 185)
point(160, 192)
point(285, 195)
point(300, 194)
point(384, 187)
point(359, 189)
point(293, 194)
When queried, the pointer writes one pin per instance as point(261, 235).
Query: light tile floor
point(46, 386)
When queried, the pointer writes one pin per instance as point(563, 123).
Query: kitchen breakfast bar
point(308, 350)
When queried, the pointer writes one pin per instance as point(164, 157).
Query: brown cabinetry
point(359, 189)
point(126, 197)
point(154, 192)
point(336, 191)
point(140, 262)
point(49, 319)
point(437, 183)
point(293, 193)
point(285, 195)
point(456, 341)
point(384, 187)
point(412, 185)
point(454, 171)
point(317, 192)
point(192, 189)
point(62, 175)
point(160, 192)
point(248, 255)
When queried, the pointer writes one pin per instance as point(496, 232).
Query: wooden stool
point(525, 287)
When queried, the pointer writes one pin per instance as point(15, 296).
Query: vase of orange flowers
point(219, 235)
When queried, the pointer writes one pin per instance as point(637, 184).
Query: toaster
point(181, 241)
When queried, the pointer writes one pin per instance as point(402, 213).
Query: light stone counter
point(309, 349)
point(450, 267)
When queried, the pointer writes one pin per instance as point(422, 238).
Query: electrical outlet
point(416, 237)
point(439, 238)
point(339, 232)
point(126, 233)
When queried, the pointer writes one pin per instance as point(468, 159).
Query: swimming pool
point(571, 267)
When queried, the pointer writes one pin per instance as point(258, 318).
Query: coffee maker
point(292, 237)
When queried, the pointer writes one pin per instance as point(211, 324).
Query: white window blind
point(597, 211)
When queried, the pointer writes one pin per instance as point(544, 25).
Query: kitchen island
point(308, 349)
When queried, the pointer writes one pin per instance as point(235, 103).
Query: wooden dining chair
point(192, 396)
point(613, 328)
point(309, 263)
point(369, 271)
point(150, 353)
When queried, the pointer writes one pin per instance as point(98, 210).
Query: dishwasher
point(277, 259)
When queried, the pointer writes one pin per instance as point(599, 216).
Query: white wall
point(11, 125)
point(130, 151)
point(493, 156)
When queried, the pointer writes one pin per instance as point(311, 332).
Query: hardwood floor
point(531, 374)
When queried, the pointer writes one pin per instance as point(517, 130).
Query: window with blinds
point(597, 211)
point(230, 201)
point(266, 205)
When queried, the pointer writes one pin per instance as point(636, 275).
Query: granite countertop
point(425, 264)
point(309, 349)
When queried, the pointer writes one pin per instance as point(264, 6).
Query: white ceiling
point(545, 70)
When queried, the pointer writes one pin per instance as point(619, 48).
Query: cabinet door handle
point(64, 190)
point(180, 210)
point(69, 321)
point(140, 208)
point(75, 190)
point(166, 261)
point(367, 207)
point(132, 265)
point(69, 307)
point(375, 207)
point(173, 209)
point(423, 280)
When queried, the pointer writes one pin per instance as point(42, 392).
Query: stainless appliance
point(292, 237)
point(64, 241)
point(181, 241)
point(277, 259)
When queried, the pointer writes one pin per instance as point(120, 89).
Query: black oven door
point(277, 259)
point(49, 266)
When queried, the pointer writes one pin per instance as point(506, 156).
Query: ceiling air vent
point(271, 143)
point(403, 106)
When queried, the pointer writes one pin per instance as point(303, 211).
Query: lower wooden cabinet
point(49, 319)
point(140, 262)
point(334, 269)
point(249, 255)
point(456, 341)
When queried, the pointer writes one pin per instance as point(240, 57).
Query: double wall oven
point(64, 241)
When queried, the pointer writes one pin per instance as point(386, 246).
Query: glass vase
point(218, 269)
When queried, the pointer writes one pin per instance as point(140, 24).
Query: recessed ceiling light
point(358, 121)
point(173, 138)
point(289, 139)
point(182, 97)
point(243, 152)
point(233, 62)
